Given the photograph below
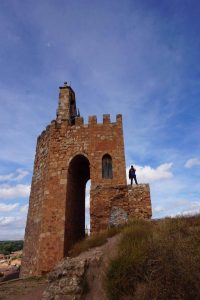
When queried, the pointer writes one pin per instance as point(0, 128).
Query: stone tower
point(68, 154)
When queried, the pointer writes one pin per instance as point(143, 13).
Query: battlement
point(92, 120)
point(79, 121)
point(106, 119)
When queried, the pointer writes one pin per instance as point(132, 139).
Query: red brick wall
point(134, 200)
point(140, 201)
point(48, 231)
point(67, 156)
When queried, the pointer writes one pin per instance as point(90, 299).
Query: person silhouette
point(132, 175)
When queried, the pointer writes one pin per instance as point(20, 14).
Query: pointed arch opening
point(107, 172)
point(77, 177)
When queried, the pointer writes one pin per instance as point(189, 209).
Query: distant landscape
point(7, 247)
point(10, 259)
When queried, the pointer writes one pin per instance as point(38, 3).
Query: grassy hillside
point(157, 260)
point(6, 247)
point(93, 241)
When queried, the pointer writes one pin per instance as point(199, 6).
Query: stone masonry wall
point(68, 153)
point(140, 201)
point(35, 215)
point(102, 199)
point(45, 231)
point(113, 205)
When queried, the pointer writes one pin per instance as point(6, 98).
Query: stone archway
point(77, 177)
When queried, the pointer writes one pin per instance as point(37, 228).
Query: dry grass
point(92, 241)
point(157, 260)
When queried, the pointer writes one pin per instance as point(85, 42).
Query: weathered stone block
point(118, 216)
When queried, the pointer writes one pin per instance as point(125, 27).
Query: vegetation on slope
point(157, 260)
point(93, 241)
point(6, 247)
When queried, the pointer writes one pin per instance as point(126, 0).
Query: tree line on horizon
point(7, 247)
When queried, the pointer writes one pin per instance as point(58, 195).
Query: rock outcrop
point(69, 279)
point(81, 277)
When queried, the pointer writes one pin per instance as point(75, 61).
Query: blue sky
point(138, 57)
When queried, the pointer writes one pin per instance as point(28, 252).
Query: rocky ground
point(72, 279)
point(81, 275)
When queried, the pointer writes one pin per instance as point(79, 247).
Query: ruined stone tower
point(68, 154)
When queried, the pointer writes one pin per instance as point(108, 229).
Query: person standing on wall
point(132, 175)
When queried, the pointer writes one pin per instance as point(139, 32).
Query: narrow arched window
point(107, 167)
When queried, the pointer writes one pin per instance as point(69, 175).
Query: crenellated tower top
point(67, 105)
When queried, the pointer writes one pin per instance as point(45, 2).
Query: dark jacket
point(132, 172)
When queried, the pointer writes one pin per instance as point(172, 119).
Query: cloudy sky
point(135, 57)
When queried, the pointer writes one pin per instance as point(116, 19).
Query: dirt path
point(23, 289)
point(95, 273)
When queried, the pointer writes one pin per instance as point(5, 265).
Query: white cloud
point(11, 192)
point(177, 207)
point(191, 208)
point(17, 176)
point(12, 227)
point(194, 208)
point(6, 220)
point(8, 207)
point(149, 174)
point(6, 177)
point(158, 209)
point(21, 174)
point(24, 208)
point(192, 162)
